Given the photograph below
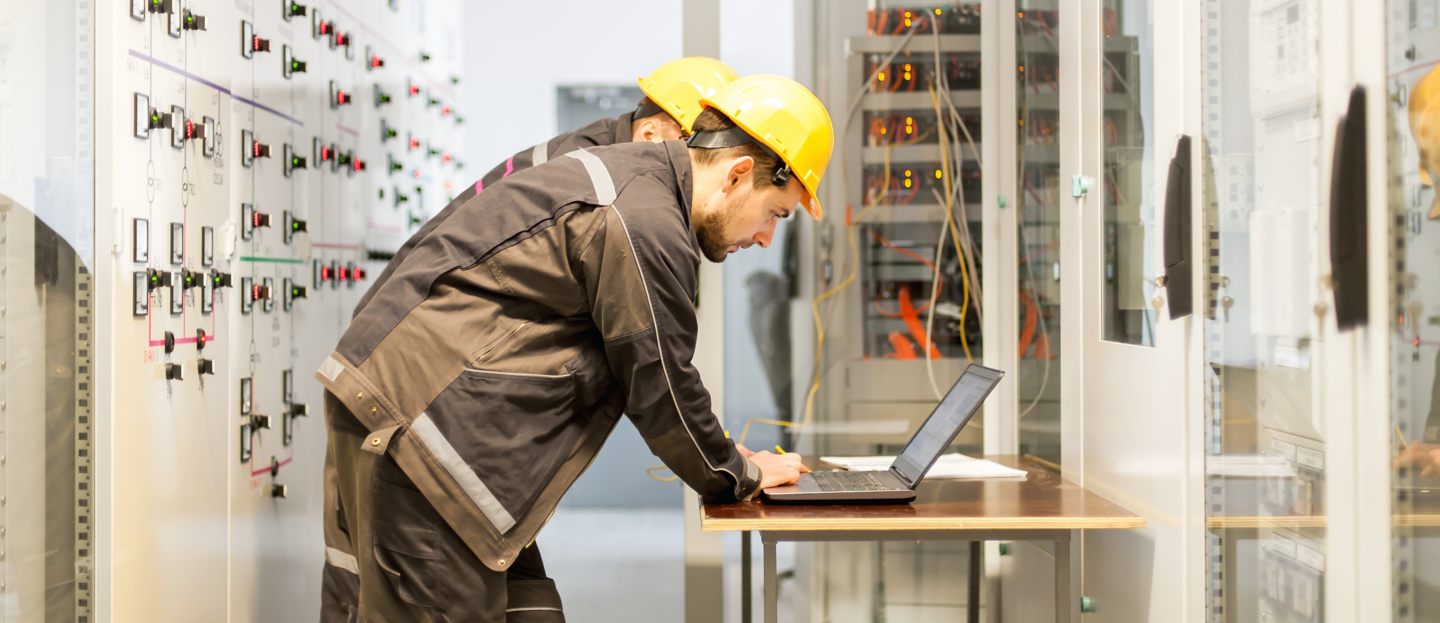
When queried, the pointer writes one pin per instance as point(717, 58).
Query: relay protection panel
point(268, 157)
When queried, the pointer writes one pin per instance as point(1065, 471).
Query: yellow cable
point(950, 218)
point(650, 471)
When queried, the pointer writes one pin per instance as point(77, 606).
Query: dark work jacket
point(597, 134)
point(498, 357)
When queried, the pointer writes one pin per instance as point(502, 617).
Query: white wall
point(518, 52)
point(758, 36)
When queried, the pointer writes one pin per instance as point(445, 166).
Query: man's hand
point(776, 469)
point(1423, 455)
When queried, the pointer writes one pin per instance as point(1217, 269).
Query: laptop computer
point(897, 485)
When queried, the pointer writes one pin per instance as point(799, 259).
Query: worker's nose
point(765, 235)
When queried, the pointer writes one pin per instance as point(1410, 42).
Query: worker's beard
point(710, 231)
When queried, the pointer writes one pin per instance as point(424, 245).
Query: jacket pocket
point(403, 527)
point(590, 371)
point(511, 431)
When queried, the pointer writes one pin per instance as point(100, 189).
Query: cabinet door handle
point(1179, 271)
point(1348, 187)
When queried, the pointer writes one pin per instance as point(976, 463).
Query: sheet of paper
point(1250, 466)
point(953, 466)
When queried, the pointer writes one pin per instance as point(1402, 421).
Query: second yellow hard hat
point(677, 86)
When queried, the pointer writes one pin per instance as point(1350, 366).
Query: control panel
point(268, 156)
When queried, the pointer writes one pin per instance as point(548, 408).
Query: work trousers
point(405, 562)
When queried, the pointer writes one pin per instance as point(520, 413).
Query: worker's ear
point(648, 131)
point(738, 168)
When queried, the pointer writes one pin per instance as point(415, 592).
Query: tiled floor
point(617, 565)
point(627, 566)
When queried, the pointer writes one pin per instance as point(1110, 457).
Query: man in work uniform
point(671, 103)
point(485, 374)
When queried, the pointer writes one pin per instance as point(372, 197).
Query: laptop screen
point(945, 422)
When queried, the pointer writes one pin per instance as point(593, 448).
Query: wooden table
point(1044, 507)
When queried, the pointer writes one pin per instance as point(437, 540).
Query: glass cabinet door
point(1265, 442)
point(47, 251)
point(1038, 191)
point(1413, 125)
point(1128, 197)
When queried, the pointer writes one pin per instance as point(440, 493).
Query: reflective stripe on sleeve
point(599, 176)
point(461, 472)
point(540, 154)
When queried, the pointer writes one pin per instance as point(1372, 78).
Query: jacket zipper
point(521, 374)
point(496, 344)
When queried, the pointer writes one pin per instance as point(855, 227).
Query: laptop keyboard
point(849, 481)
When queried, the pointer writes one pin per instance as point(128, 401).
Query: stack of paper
point(953, 465)
point(1248, 466)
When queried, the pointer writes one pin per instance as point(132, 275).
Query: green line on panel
point(277, 260)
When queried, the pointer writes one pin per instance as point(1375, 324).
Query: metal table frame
point(769, 538)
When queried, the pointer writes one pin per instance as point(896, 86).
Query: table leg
point(1063, 603)
point(745, 580)
point(772, 584)
point(972, 603)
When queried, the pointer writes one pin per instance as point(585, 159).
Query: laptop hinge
point(901, 477)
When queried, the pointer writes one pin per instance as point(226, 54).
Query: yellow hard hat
point(787, 119)
point(677, 86)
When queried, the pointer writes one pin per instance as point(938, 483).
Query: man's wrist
point(750, 480)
